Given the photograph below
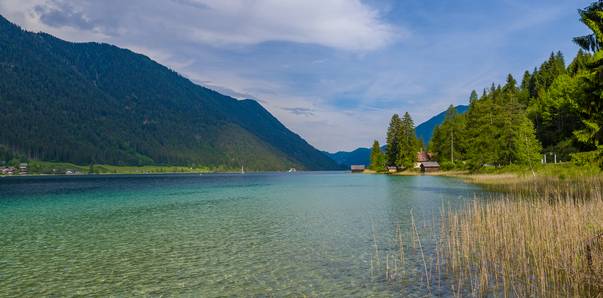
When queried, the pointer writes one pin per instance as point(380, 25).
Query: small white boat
point(292, 170)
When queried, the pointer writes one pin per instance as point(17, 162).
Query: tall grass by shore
point(543, 238)
point(525, 249)
point(538, 237)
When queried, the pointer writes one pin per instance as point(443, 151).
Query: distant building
point(429, 166)
point(23, 168)
point(357, 168)
point(392, 169)
point(422, 156)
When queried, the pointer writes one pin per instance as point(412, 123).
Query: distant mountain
point(361, 156)
point(96, 103)
point(425, 129)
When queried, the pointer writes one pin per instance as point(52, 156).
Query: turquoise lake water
point(274, 234)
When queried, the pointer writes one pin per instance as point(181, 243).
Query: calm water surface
point(316, 234)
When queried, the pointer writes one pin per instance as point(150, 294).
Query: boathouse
point(430, 166)
point(357, 168)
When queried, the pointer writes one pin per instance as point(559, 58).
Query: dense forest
point(556, 110)
point(91, 103)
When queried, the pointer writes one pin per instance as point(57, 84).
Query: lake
point(268, 234)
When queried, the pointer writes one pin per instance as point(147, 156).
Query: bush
point(587, 158)
point(447, 166)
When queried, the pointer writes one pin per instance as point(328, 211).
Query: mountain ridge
point(98, 103)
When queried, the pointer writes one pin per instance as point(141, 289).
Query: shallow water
point(316, 234)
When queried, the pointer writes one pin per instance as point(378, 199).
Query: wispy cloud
point(342, 24)
point(301, 111)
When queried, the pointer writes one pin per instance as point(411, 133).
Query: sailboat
point(242, 170)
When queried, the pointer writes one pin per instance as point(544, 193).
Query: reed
point(543, 237)
point(536, 237)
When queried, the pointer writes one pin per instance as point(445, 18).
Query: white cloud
point(341, 24)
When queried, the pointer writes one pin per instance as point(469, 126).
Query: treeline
point(401, 148)
point(555, 109)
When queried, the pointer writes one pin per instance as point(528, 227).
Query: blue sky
point(334, 71)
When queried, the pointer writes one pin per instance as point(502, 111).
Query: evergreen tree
point(591, 17)
point(393, 140)
point(524, 89)
point(449, 144)
point(473, 97)
point(527, 147)
point(579, 64)
point(591, 103)
point(407, 143)
point(481, 131)
point(377, 157)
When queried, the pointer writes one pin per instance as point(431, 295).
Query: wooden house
point(430, 166)
point(357, 168)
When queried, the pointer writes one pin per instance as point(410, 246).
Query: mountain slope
point(90, 102)
point(425, 130)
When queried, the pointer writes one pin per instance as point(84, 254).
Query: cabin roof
point(430, 164)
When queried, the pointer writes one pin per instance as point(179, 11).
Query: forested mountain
point(425, 129)
point(96, 103)
point(556, 109)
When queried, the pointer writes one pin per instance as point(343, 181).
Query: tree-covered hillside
point(556, 109)
point(96, 103)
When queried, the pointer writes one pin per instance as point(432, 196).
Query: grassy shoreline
point(44, 168)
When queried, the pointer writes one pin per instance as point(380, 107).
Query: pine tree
point(435, 144)
point(481, 132)
point(579, 64)
point(377, 157)
point(473, 97)
point(393, 143)
point(527, 147)
point(448, 142)
point(524, 89)
point(591, 104)
point(407, 143)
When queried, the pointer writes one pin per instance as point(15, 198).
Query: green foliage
point(393, 140)
point(558, 108)
point(592, 17)
point(589, 158)
point(556, 112)
point(408, 144)
point(449, 143)
point(402, 143)
point(89, 103)
point(590, 104)
point(447, 165)
point(44, 167)
point(377, 158)
point(495, 130)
